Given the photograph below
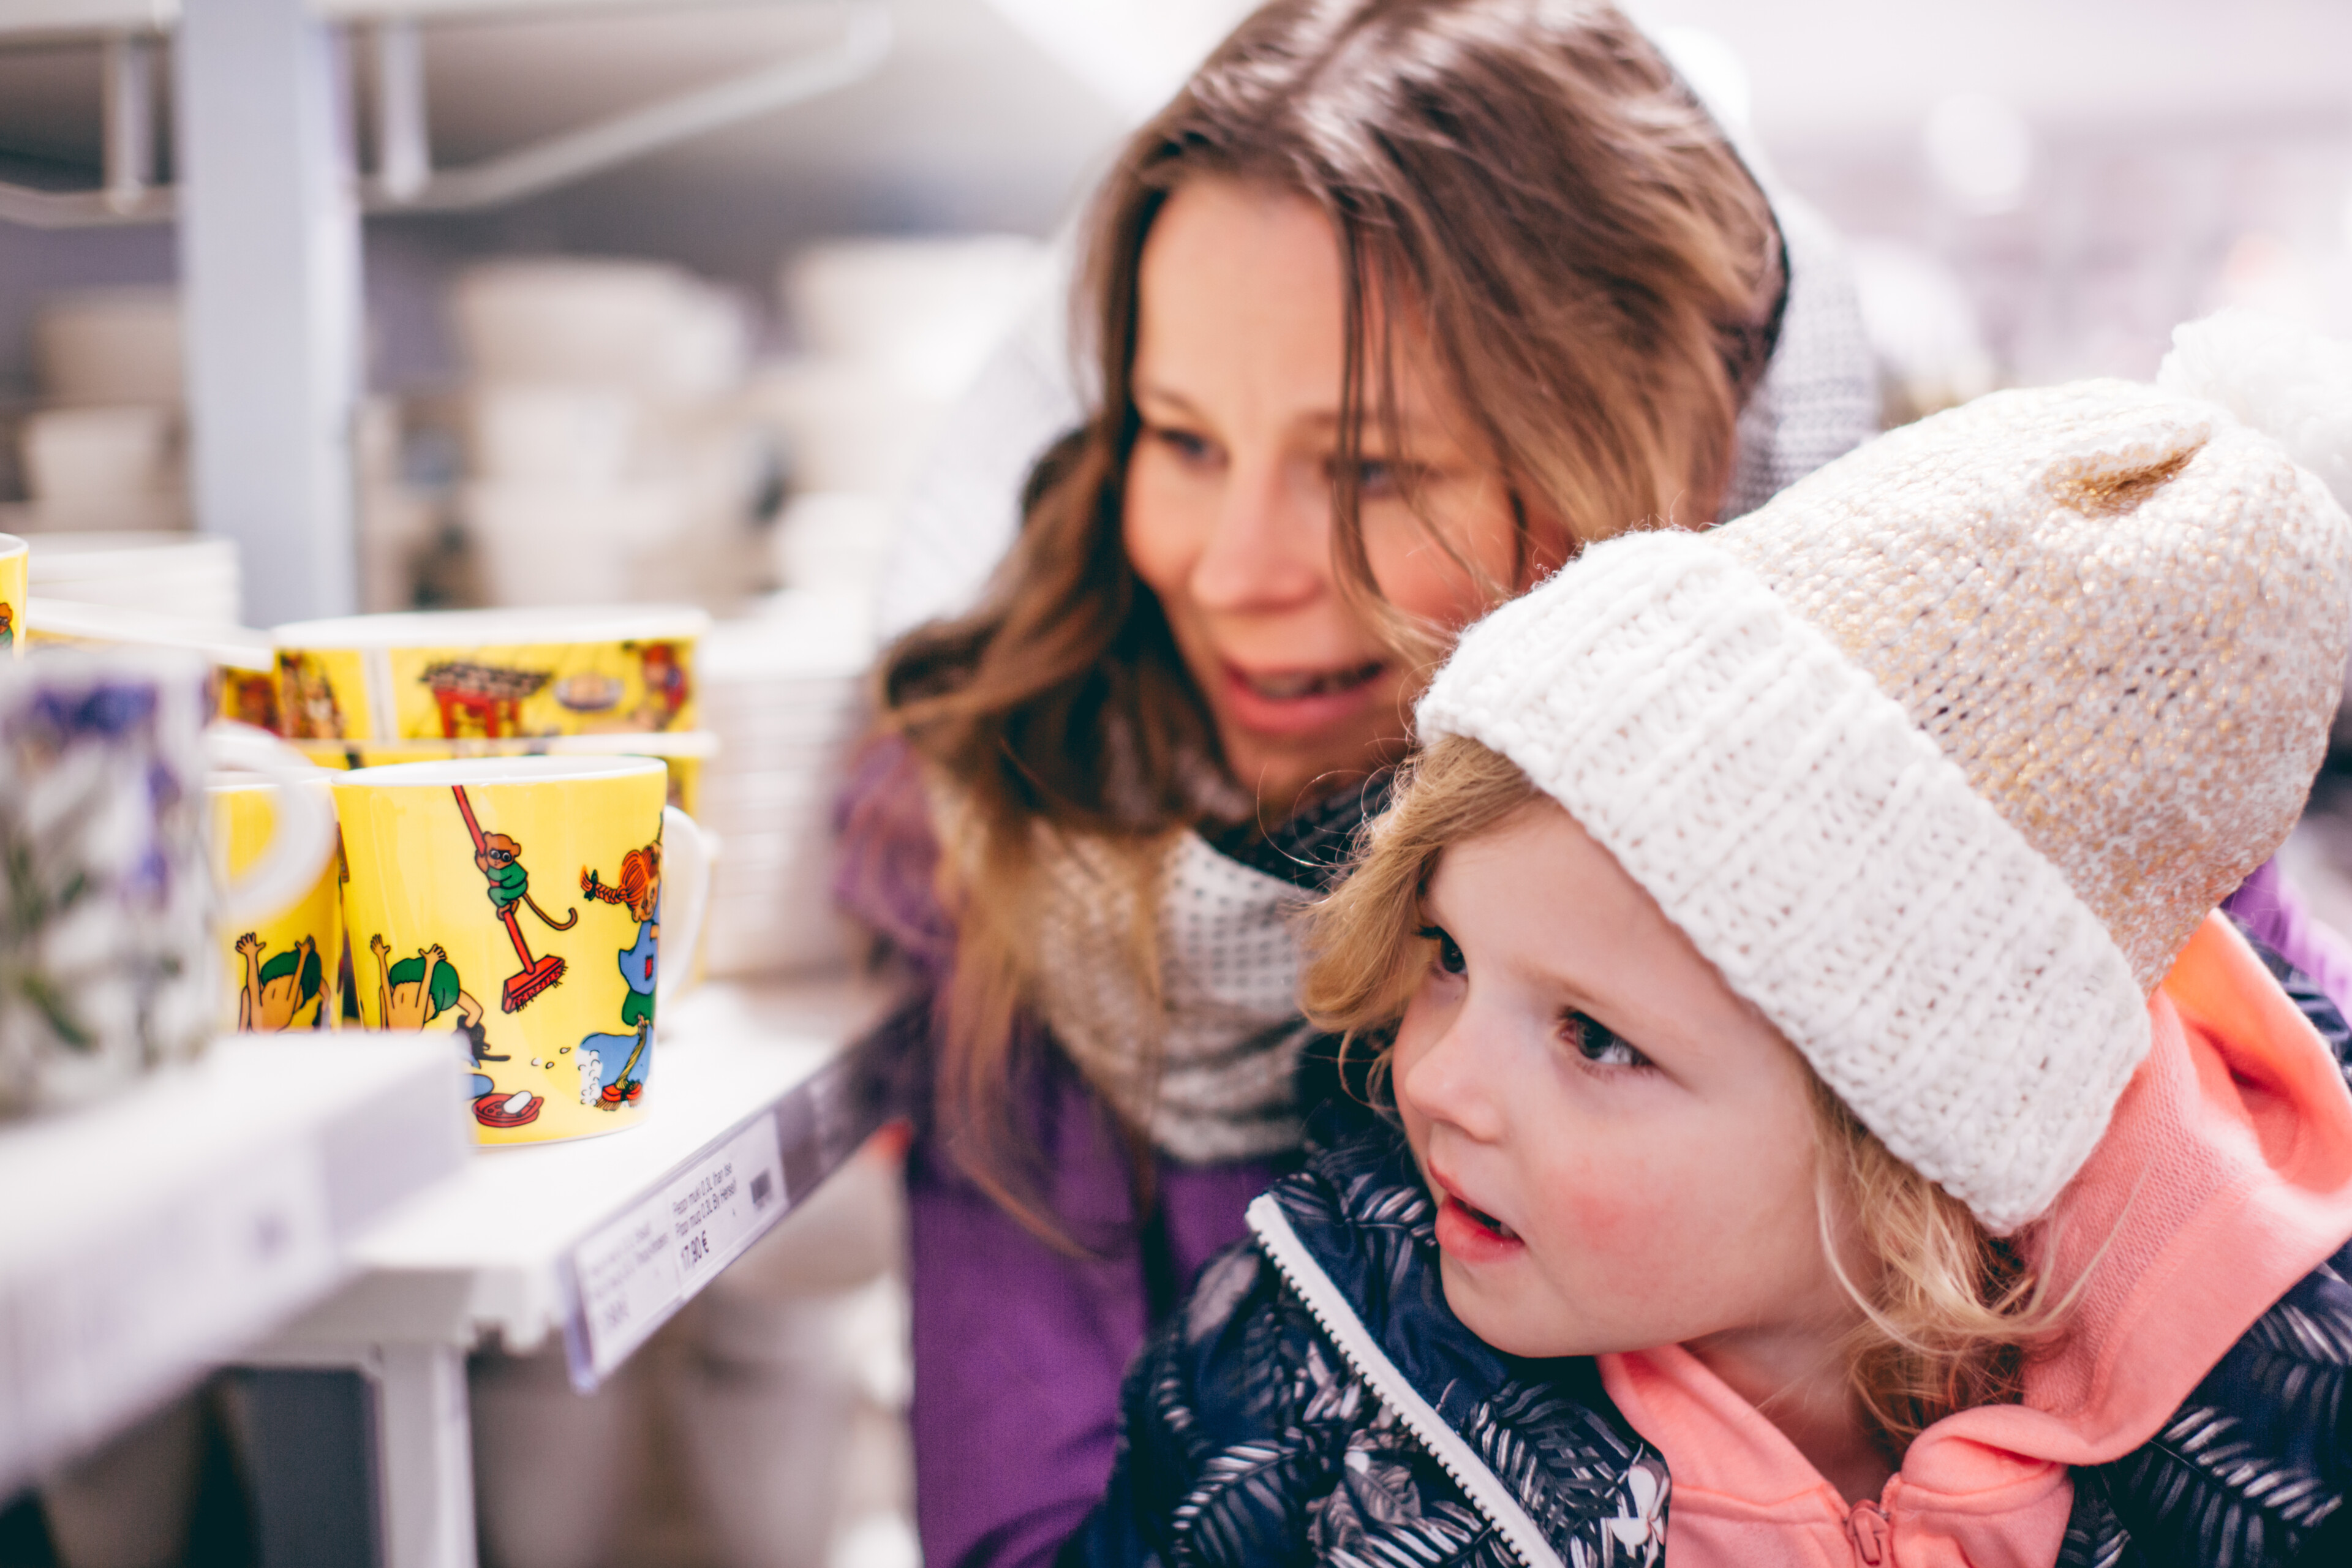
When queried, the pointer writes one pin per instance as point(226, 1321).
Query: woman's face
point(1239, 354)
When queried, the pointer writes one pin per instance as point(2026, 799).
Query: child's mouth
point(1488, 1222)
point(1473, 1235)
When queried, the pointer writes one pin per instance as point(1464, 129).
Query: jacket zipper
point(1866, 1527)
point(1338, 1321)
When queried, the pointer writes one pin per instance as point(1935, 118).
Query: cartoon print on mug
point(273, 995)
point(421, 873)
point(307, 704)
point(665, 683)
point(499, 859)
point(414, 991)
point(15, 557)
point(639, 891)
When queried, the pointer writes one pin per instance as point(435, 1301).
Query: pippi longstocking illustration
point(638, 890)
point(667, 687)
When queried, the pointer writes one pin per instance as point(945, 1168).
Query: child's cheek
point(1620, 1211)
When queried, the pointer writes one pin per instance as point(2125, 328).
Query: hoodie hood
point(2224, 1180)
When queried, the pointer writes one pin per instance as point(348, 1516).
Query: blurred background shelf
point(594, 1245)
point(161, 1233)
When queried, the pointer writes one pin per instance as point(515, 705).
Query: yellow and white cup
point(15, 563)
point(454, 675)
point(538, 907)
point(271, 821)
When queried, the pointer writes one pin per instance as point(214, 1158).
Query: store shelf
point(157, 1233)
point(601, 1240)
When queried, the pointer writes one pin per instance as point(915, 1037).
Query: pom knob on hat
point(2277, 378)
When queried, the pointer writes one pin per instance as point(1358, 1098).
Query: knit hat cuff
point(1824, 855)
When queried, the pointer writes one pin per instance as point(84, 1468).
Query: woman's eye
point(1449, 953)
point(1377, 479)
point(1187, 445)
point(1595, 1042)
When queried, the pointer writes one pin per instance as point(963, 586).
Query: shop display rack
point(156, 1234)
point(598, 1241)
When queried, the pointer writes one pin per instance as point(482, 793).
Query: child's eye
point(1596, 1044)
point(1449, 953)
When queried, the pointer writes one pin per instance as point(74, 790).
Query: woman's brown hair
point(1949, 1313)
point(1597, 277)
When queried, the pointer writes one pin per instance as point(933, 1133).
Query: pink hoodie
point(2225, 1177)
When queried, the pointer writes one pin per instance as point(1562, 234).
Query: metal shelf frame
point(268, 203)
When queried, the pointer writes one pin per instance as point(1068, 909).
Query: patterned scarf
point(1206, 1060)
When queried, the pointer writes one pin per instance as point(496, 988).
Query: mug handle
point(687, 853)
point(304, 832)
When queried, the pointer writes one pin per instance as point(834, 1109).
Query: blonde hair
point(1950, 1313)
point(1600, 279)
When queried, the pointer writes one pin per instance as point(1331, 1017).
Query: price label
point(637, 1270)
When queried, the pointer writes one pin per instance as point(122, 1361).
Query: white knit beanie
point(1943, 755)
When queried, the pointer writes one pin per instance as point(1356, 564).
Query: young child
point(1835, 1126)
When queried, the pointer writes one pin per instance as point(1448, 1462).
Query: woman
point(1394, 307)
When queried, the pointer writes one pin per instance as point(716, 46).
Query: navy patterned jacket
point(1316, 1401)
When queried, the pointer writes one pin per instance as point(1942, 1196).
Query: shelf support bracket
point(130, 120)
point(269, 298)
point(404, 149)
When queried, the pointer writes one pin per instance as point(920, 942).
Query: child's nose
point(1447, 1083)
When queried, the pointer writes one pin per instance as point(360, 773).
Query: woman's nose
point(1270, 549)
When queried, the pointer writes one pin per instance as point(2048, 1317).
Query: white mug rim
point(520, 626)
point(443, 773)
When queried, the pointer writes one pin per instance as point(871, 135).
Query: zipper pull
point(1868, 1529)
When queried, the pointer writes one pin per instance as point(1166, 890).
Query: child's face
point(1572, 1069)
point(1228, 516)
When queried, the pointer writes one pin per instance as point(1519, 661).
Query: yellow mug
point(16, 561)
point(521, 903)
point(275, 862)
point(490, 674)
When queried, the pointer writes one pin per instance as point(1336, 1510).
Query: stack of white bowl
point(191, 576)
point(785, 692)
point(103, 449)
point(891, 332)
point(607, 462)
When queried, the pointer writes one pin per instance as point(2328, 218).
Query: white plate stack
point(605, 461)
point(785, 691)
point(192, 576)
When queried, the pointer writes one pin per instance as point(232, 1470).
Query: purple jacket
point(1019, 1349)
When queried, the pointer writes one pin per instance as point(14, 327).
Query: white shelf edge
point(190, 1217)
point(411, 1290)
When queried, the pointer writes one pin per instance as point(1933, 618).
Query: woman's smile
point(1298, 701)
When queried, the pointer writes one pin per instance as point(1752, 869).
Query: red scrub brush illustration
point(500, 859)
